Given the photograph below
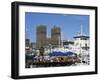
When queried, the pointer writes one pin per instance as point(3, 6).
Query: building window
point(85, 45)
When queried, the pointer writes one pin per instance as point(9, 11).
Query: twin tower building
point(43, 41)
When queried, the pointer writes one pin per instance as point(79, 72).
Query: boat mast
point(61, 39)
point(80, 42)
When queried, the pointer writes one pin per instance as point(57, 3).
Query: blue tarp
point(61, 53)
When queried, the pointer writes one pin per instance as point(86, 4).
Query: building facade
point(43, 41)
point(41, 38)
point(56, 36)
point(82, 41)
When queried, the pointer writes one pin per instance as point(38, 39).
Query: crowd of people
point(38, 60)
point(47, 60)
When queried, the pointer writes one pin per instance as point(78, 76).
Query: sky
point(70, 24)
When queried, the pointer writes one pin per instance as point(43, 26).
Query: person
point(41, 50)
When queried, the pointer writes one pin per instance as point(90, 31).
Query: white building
point(82, 41)
point(82, 45)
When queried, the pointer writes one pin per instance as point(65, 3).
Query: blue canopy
point(56, 54)
point(69, 53)
point(61, 53)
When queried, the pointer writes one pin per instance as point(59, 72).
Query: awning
point(61, 53)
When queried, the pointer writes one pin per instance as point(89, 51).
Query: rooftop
point(81, 36)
